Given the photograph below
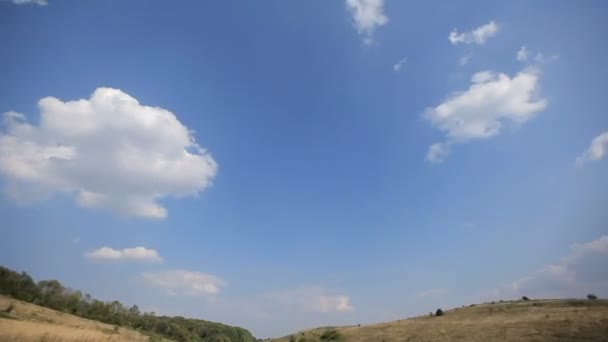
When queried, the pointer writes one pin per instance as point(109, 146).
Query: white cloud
point(399, 65)
point(367, 15)
point(465, 59)
point(109, 151)
point(596, 151)
point(431, 293)
point(309, 299)
point(137, 254)
point(522, 54)
point(582, 271)
point(33, 2)
point(437, 152)
point(182, 282)
point(476, 36)
point(492, 100)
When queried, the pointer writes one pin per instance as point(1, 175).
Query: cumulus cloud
point(108, 151)
point(492, 100)
point(32, 2)
point(522, 54)
point(182, 282)
point(310, 299)
point(581, 271)
point(399, 65)
point(367, 16)
point(135, 254)
point(477, 36)
point(596, 151)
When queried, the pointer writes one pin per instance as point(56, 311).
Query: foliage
point(52, 294)
point(591, 296)
point(439, 312)
point(525, 298)
point(331, 335)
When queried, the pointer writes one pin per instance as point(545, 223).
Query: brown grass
point(536, 320)
point(29, 322)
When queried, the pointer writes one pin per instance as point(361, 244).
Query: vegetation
point(525, 298)
point(331, 335)
point(52, 294)
point(439, 312)
point(591, 296)
point(557, 320)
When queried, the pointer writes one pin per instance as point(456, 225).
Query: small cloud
point(308, 299)
point(432, 293)
point(477, 36)
point(399, 65)
point(492, 100)
point(182, 282)
point(596, 151)
point(134, 254)
point(522, 54)
point(29, 2)
point(465, 59)
point(437, 152)
point(367, 16)
point(579, 272)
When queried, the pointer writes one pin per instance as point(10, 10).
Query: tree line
point(52, 294)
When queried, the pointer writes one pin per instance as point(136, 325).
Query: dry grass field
point(29, 322)
point(536, 320)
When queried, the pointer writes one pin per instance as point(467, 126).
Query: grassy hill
point(53, 295)
point(29, 322)
point(535, 320)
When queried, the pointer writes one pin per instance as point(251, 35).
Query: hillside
point(52, 294)
point(535, 320)
point(29, 322)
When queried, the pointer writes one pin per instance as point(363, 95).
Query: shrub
point(292, 338)
point(439, 312)
point(331, 335)
point(525, 298)
point(591, 296)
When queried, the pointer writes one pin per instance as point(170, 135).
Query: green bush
point(591, 296)
point(331, 335)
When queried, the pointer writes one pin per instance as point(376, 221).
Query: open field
point(536, 320)
point(29, 322)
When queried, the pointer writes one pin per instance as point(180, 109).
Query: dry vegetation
point(29, 322)
point(535, 320)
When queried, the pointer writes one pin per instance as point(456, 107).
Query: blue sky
point(282, 165)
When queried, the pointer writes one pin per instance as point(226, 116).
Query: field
point(29, 322)
point(537, 320)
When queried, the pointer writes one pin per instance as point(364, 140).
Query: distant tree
point(439, 312)
point(591, 296)
point(525, 298)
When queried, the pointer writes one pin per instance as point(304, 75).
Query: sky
point(281, 165)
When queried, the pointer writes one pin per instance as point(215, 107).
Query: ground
point(534, 320)
point(29, 322)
